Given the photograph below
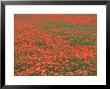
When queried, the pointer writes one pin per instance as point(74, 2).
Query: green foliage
point(19, 69)
point(26, 64)
point(39, 43)
point(34, 74)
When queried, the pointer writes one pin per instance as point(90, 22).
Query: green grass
point(89, 43)
point(26, 64)
point(48, 25)
point(39, 43)
point(81, 64)
point(79, 40)
point(19, 69)
point(34, 74)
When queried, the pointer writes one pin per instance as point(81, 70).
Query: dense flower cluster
point(55, 45)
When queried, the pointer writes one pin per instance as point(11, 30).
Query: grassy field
point(55, 45)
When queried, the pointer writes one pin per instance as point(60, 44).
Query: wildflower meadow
point(55, 44)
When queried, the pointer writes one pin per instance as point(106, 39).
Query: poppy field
point(55, 44)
